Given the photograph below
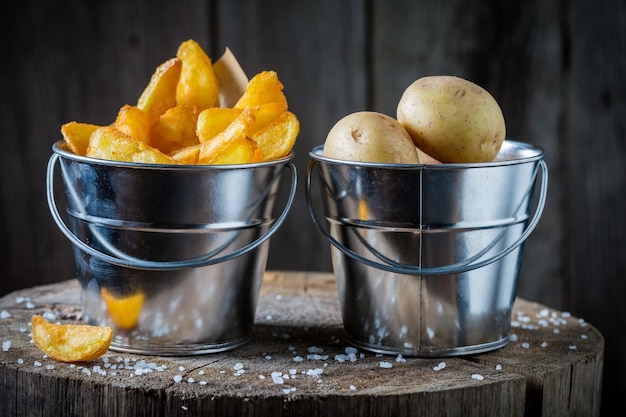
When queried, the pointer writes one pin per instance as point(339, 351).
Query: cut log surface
point(298, 364)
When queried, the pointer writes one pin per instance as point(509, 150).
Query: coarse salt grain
point(178, 378)
point(498, 367)
point(544, 344)
point(352, 388)
point(525, 345)
point(277, 378)
point(572, 347)
point(6, 345)
point(5, 314)
point(384, 364)
point(37, 363)
point(439, 366)
point(49, 367)
point(298, 358)
point(478, 377)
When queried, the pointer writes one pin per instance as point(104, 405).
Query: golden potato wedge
point(198, 83)
point(278, 138)
point(176, 129)
point(160, 93)
point(109, 143)
point(267, 113)
point(188, 155)
point(215, 120)
point(264, 87)
point(76, 136)
point(134, 122)
point(123, 311)
point(241, 127)
point(241, 150)
point(70, 342)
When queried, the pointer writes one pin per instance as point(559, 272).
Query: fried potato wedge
point(198, 83)
point(76, 136)
point(241, 127)
point(241, 150)
point(189, 155)
point(215, 120)
point(160, 93)
point(109, 143)
point(278, 138)
point(263, 88)
point(176, 129)
point(267, 113)
point(134, 122)
point(70, 342)
point(123, 311)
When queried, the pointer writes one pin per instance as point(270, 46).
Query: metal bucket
point(171, 256)
point(427, 257)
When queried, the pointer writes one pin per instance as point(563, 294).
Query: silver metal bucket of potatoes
point(427, 216)
point(171, 256)
point(427, 257)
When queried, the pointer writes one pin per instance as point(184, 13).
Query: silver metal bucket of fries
point(171, 256)
point(427, 256)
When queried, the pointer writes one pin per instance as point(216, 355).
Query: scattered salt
point(20, 361)
point(525, 345)
point(314, 349)
point(261, 376)
point(201, 372)
point(6, 345)
point(544, 344)
point(498, 367)
point(572, 347)
point(37, 363)
point(30, 305)
point(184, 407)
point(352, 388)
point(178, 378)
point(202, 382)
point(181, 368)
point(268, 357)
point(399, 358)
point(298, 358)
point(384, 364)
point(478, 377)
point(49, 367)
point(238, 366)
point(277, 378)
point(191, 380)
point(583, 336)
point(5, 314)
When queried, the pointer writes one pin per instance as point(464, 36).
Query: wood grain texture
point(556, 67)
point(299, 316)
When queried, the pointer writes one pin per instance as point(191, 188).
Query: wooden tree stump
point(297, 364)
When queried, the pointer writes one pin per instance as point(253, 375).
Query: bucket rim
point(530, 153)
point(60, 148)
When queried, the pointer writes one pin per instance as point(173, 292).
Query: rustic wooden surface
point(297, 313)
point(556, 67)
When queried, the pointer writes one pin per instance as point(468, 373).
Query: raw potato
point(452, 119)
point(370, 137)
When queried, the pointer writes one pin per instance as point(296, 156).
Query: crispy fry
point(76, 136)
point(197, 83)
point(215, 120)
point(241, 127)
point(70, 342)
point(278, 138)
point(267, 113)
point(176, 129)
point(109, 143)
point(160, 93)
point(123, 311)
point(134, 122)
point(264, 87)
point(241, 150)
point(188, 155)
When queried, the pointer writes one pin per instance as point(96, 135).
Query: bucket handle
point(200, 261)
point(443, 270)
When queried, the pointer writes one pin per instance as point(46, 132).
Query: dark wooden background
point(557, 67)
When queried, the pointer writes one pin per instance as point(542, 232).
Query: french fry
point(76, 136)
point(160, 93)
point(189, 155)
point(264, 87)
point(176, 129)
point(134, 122)
point(241, 127)
point(197, 83)
point(278, 138)
point(109, 143)
point(241, 150)
point(215, 120)
point(70, 342)
point(267, 113)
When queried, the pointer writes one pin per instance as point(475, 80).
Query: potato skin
point(368, 136)
point(452, 119)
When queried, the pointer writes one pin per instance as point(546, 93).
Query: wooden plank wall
point(557, 67)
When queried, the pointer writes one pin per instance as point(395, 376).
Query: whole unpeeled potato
point(370, 137)
point(452, 119)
